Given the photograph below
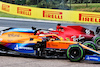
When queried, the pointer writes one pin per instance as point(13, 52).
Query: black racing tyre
point(98, 30)
point(75, 53)
point(96, 40)
point(90, 44)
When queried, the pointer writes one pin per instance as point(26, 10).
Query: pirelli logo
point(24, 11)
point(5, 7)
point(89, 17)
point(52, 14)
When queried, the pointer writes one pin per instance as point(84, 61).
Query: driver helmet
point(51, 29)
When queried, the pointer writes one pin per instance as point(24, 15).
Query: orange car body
point(20, 37)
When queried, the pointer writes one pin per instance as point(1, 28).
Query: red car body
point(73, 33)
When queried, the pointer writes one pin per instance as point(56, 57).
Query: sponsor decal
point(14, 35)
point(91, 58)
point(22, 48)
point(76, 39)
point(20, 41)
point(18, 29)
point(5, 7)
point(54, 45)
point(89, 17)
point(67, 39)
point(9, 40)
point(24, 11)
point(62, 42)
point(52, 14)
point(87, 31)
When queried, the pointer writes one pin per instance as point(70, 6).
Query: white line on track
point(20, 19)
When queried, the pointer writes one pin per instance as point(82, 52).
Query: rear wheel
point(98, 30)
point(97, 41)
point(96, 38)
point(75, 53)
point(90, 44)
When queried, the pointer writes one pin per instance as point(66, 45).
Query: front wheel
point(75, 53)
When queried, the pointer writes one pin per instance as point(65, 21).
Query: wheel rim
point(75, 53)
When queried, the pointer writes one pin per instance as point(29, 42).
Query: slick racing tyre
point(75, 53)
point(98, 30)
point(96, 40)
point(90, 44)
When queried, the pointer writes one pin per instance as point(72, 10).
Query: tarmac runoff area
point(11, 61)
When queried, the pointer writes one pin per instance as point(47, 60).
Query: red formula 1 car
point(76, 33)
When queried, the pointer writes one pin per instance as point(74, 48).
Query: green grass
point(33, 5)
point(92, 7)
point(2, 14)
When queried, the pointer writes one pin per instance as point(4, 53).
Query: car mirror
point(33, 28)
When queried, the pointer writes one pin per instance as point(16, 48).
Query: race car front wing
point(92, 58)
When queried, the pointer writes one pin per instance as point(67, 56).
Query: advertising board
point(50, 14)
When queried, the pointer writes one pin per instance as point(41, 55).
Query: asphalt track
point(11, 61)
point(24, 23)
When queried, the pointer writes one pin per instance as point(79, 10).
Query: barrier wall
point(50, 14)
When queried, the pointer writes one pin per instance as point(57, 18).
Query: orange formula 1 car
point(23, 42)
